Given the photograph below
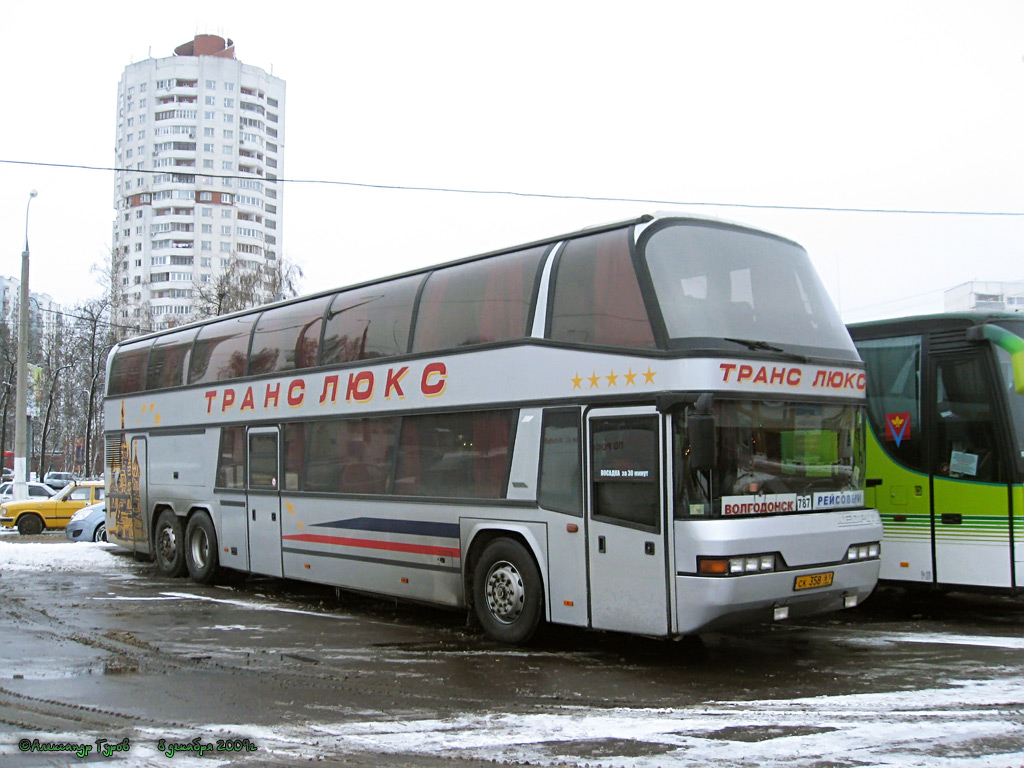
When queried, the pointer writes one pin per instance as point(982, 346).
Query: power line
point(538, 195)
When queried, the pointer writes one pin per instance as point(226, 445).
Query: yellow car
point(35, 515)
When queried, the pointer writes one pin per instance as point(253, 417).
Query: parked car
point(35, 490)
point(36, 515)
point(58, 480)
point(88, 523)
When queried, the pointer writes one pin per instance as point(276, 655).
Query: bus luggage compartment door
point(626, 551)
point(264, 502)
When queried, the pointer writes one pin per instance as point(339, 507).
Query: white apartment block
point(200, 151)
point(44, 313)
point(991, 296)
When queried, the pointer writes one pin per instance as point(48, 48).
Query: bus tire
point(30, 525)
point(507, 592)
point(201, 548)
point(169, 544)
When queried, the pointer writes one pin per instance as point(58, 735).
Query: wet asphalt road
point(290, 673)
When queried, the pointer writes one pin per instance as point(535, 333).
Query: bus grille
point(113, 451)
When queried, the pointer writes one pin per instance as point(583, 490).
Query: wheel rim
point(504, 592)
point(200, 546)
point(167, 544)
point(101, 534)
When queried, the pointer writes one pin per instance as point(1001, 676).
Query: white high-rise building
point(200, 149)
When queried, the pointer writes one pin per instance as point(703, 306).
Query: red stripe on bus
point(391, 546)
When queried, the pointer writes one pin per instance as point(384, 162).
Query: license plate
point(814, 580)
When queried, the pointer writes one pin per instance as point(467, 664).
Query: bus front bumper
point(709, 603)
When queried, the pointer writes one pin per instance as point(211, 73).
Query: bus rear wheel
point(201, 548)
point(507, 592)
point(168, 544)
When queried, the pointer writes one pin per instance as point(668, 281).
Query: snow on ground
point(969, 724)
point(66, 556)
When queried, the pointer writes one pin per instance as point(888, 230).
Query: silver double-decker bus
point(654, 426)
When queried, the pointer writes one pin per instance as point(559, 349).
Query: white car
point(35, 490)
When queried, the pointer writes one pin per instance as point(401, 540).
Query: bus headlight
point(864, 551)
point(735, 566)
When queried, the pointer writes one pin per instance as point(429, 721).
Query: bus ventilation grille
point(113, 451)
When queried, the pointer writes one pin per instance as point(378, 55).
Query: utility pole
point(21, 397)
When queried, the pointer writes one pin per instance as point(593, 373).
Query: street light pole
point(21, 398)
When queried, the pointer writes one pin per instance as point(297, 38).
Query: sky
point(750, 111)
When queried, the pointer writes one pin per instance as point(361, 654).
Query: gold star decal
point(630, 377)
point(594, 379)
point(576, 381)
point(612, 379)
point(649, 375)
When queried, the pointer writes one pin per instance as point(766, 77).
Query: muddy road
point(95, 646)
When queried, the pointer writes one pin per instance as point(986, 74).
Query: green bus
point(945, 464)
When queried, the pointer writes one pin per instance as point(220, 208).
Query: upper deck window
point(478, 302)
point(597, 297)
point(221, 350)
point(128, 369)
point(370, 322)
point(167, 360)
point(715, 283)
point(288, 338)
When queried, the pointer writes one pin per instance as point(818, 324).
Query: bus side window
point(287, 338)
point(231, 463)
point(894, 397)
point(128, 369)
point(560, 485)
point(967, 442)
point(625, 471)
point(479, 302)
point(597, 297)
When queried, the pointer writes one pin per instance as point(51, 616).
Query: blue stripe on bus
point(379, 525)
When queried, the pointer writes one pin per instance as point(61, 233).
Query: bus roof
point(949, 319)
point(591, 230)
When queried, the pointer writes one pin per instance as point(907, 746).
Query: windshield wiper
point(764, 346)
point(752, 344)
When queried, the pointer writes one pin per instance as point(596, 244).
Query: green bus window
point(894, 397)
point(597, 297)
point(967, 436)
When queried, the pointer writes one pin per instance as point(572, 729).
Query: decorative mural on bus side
point(124, 505)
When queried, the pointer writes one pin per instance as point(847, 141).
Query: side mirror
point(1010, 342)
point(700, 431)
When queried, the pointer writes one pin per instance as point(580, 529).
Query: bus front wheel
point(507, 592)
point(201, 548)
point(169, 544)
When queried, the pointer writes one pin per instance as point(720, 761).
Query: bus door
point(971, 492)
point(627, 556)
point(264, 501)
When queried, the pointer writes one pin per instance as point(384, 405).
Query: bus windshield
point(718, 287)
point(773, 457)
